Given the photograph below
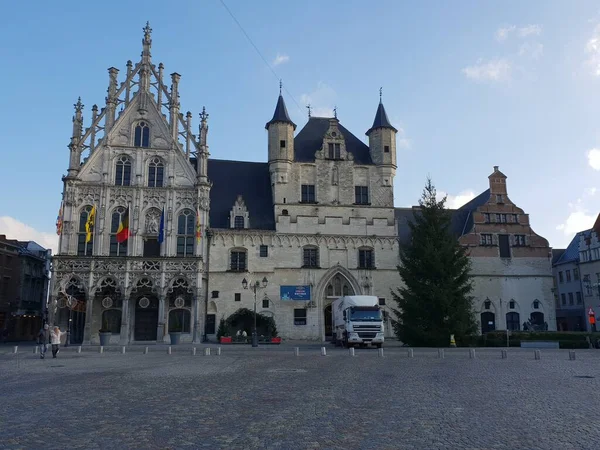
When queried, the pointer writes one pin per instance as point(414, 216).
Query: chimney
point(497, 183)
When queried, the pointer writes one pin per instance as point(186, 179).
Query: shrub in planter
point(104, 333)
point(223, 330)
point(175, 329)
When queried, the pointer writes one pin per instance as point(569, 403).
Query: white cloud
point(495, 70)
point(592, 48)
point(280, 59)
point(576, 222)
point(594, 158)
point(14, 229)
point(402, 142)
point(533, 49)
point(591, 191)
point(321, 100)
point(530, 30)
point(456, 201)
point(503, 32)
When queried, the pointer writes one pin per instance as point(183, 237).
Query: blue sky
point(469, 85)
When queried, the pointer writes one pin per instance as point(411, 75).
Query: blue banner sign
point(295, 292)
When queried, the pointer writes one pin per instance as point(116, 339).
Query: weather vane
point(308, 107)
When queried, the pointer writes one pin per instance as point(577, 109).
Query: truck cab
point(358, 320)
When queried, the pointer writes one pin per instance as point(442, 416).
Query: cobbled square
point(269, 398)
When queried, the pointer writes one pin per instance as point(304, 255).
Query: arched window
point(116, 248)
point(123, 171)
point(142, 135)
point(310, 257)
point(179, 320)
point(238, 261)
point(156, 170)
point(111, 320)
point(238, 222)
point(84, 249)
point(185, 233)
point(338, 286)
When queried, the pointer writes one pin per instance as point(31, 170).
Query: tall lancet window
point(186, 225)
point(155, 173)
point(142, 135)
point(123, 171)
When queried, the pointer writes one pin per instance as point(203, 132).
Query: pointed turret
point(381, 119)
point(280, 114)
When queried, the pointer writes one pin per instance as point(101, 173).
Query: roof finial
point(280, 86)
point(203, 115)
point(380, 93)
point(335, 112)
point(308, 107)
point(78, 106)
point(147, 32)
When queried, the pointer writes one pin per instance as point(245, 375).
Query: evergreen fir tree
point(434, 301)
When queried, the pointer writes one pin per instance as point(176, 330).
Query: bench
point(540, 344)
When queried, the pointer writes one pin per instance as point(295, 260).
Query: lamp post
point(255, 286)
point(71, 302)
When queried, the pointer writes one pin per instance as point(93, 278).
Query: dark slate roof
point(252, 181)
point(571, 254)
point(280, 114)
point(381, 120)
point(310, 139)
point(461, 220)
point(556, 254)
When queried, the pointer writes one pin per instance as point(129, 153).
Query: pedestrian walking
point(44, 340)
point(55, 336)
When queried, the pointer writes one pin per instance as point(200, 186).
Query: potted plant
point(104, 333)
point(175, 329)
point(223, 333)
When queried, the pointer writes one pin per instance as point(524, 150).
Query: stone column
point(124, 337)
point(198, 315)
point(160, 329)
point(87, 329)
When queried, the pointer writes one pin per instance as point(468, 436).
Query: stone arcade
point(318, 215)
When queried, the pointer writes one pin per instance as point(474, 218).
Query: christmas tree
point(434, 301)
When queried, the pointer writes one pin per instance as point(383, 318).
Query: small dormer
point(334, 144)
point(239, 217)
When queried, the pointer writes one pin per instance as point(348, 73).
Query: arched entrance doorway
point(337, 287)
point(488, 322)
point(72, 309)
point(146, 311)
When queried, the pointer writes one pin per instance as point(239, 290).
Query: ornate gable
point(239, 216)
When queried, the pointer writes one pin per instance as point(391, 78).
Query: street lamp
point(255, 286)
point(71, 302)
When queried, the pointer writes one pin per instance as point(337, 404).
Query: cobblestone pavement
point(269, 398)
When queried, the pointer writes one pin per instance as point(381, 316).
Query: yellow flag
point(89, 225)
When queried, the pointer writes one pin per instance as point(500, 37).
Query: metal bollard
point(101, 349)
point(380, 352)
point(194, 351)
point(146, 351)
point(123, 350)
point(572, 355)
point(537, 354)
point(15, 349)
point(441, 353)
point(296, 351)
point(79, 349)
point(35, 349)
point(411, 353)
point(504, 354)
point(351, 351)
point(472, 353)
point(323, 351)
point(207, 351)
point(169, 350)
point(218, 351)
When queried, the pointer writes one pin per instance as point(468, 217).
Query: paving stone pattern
point(267, 398)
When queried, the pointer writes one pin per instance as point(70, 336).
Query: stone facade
point(589, 263)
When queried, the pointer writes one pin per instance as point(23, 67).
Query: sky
point(469, 85)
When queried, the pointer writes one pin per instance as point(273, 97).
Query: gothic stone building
point(316, 221)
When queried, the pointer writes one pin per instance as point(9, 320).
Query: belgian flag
point(123, 231)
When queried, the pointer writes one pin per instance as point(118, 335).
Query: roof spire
point(381, 118)
point(280, 114)
point(280, 86)
point(380, 94)
point(308, 107)
point(335, 111)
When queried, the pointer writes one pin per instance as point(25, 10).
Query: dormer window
point(335, 151)
point(239, 218)
point(499, 198)
point(142, 135)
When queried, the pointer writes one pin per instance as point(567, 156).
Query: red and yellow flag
point(198, 227)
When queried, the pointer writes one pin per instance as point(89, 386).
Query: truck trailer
point(357, 320)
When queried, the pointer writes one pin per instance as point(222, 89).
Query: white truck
point(357, 320)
